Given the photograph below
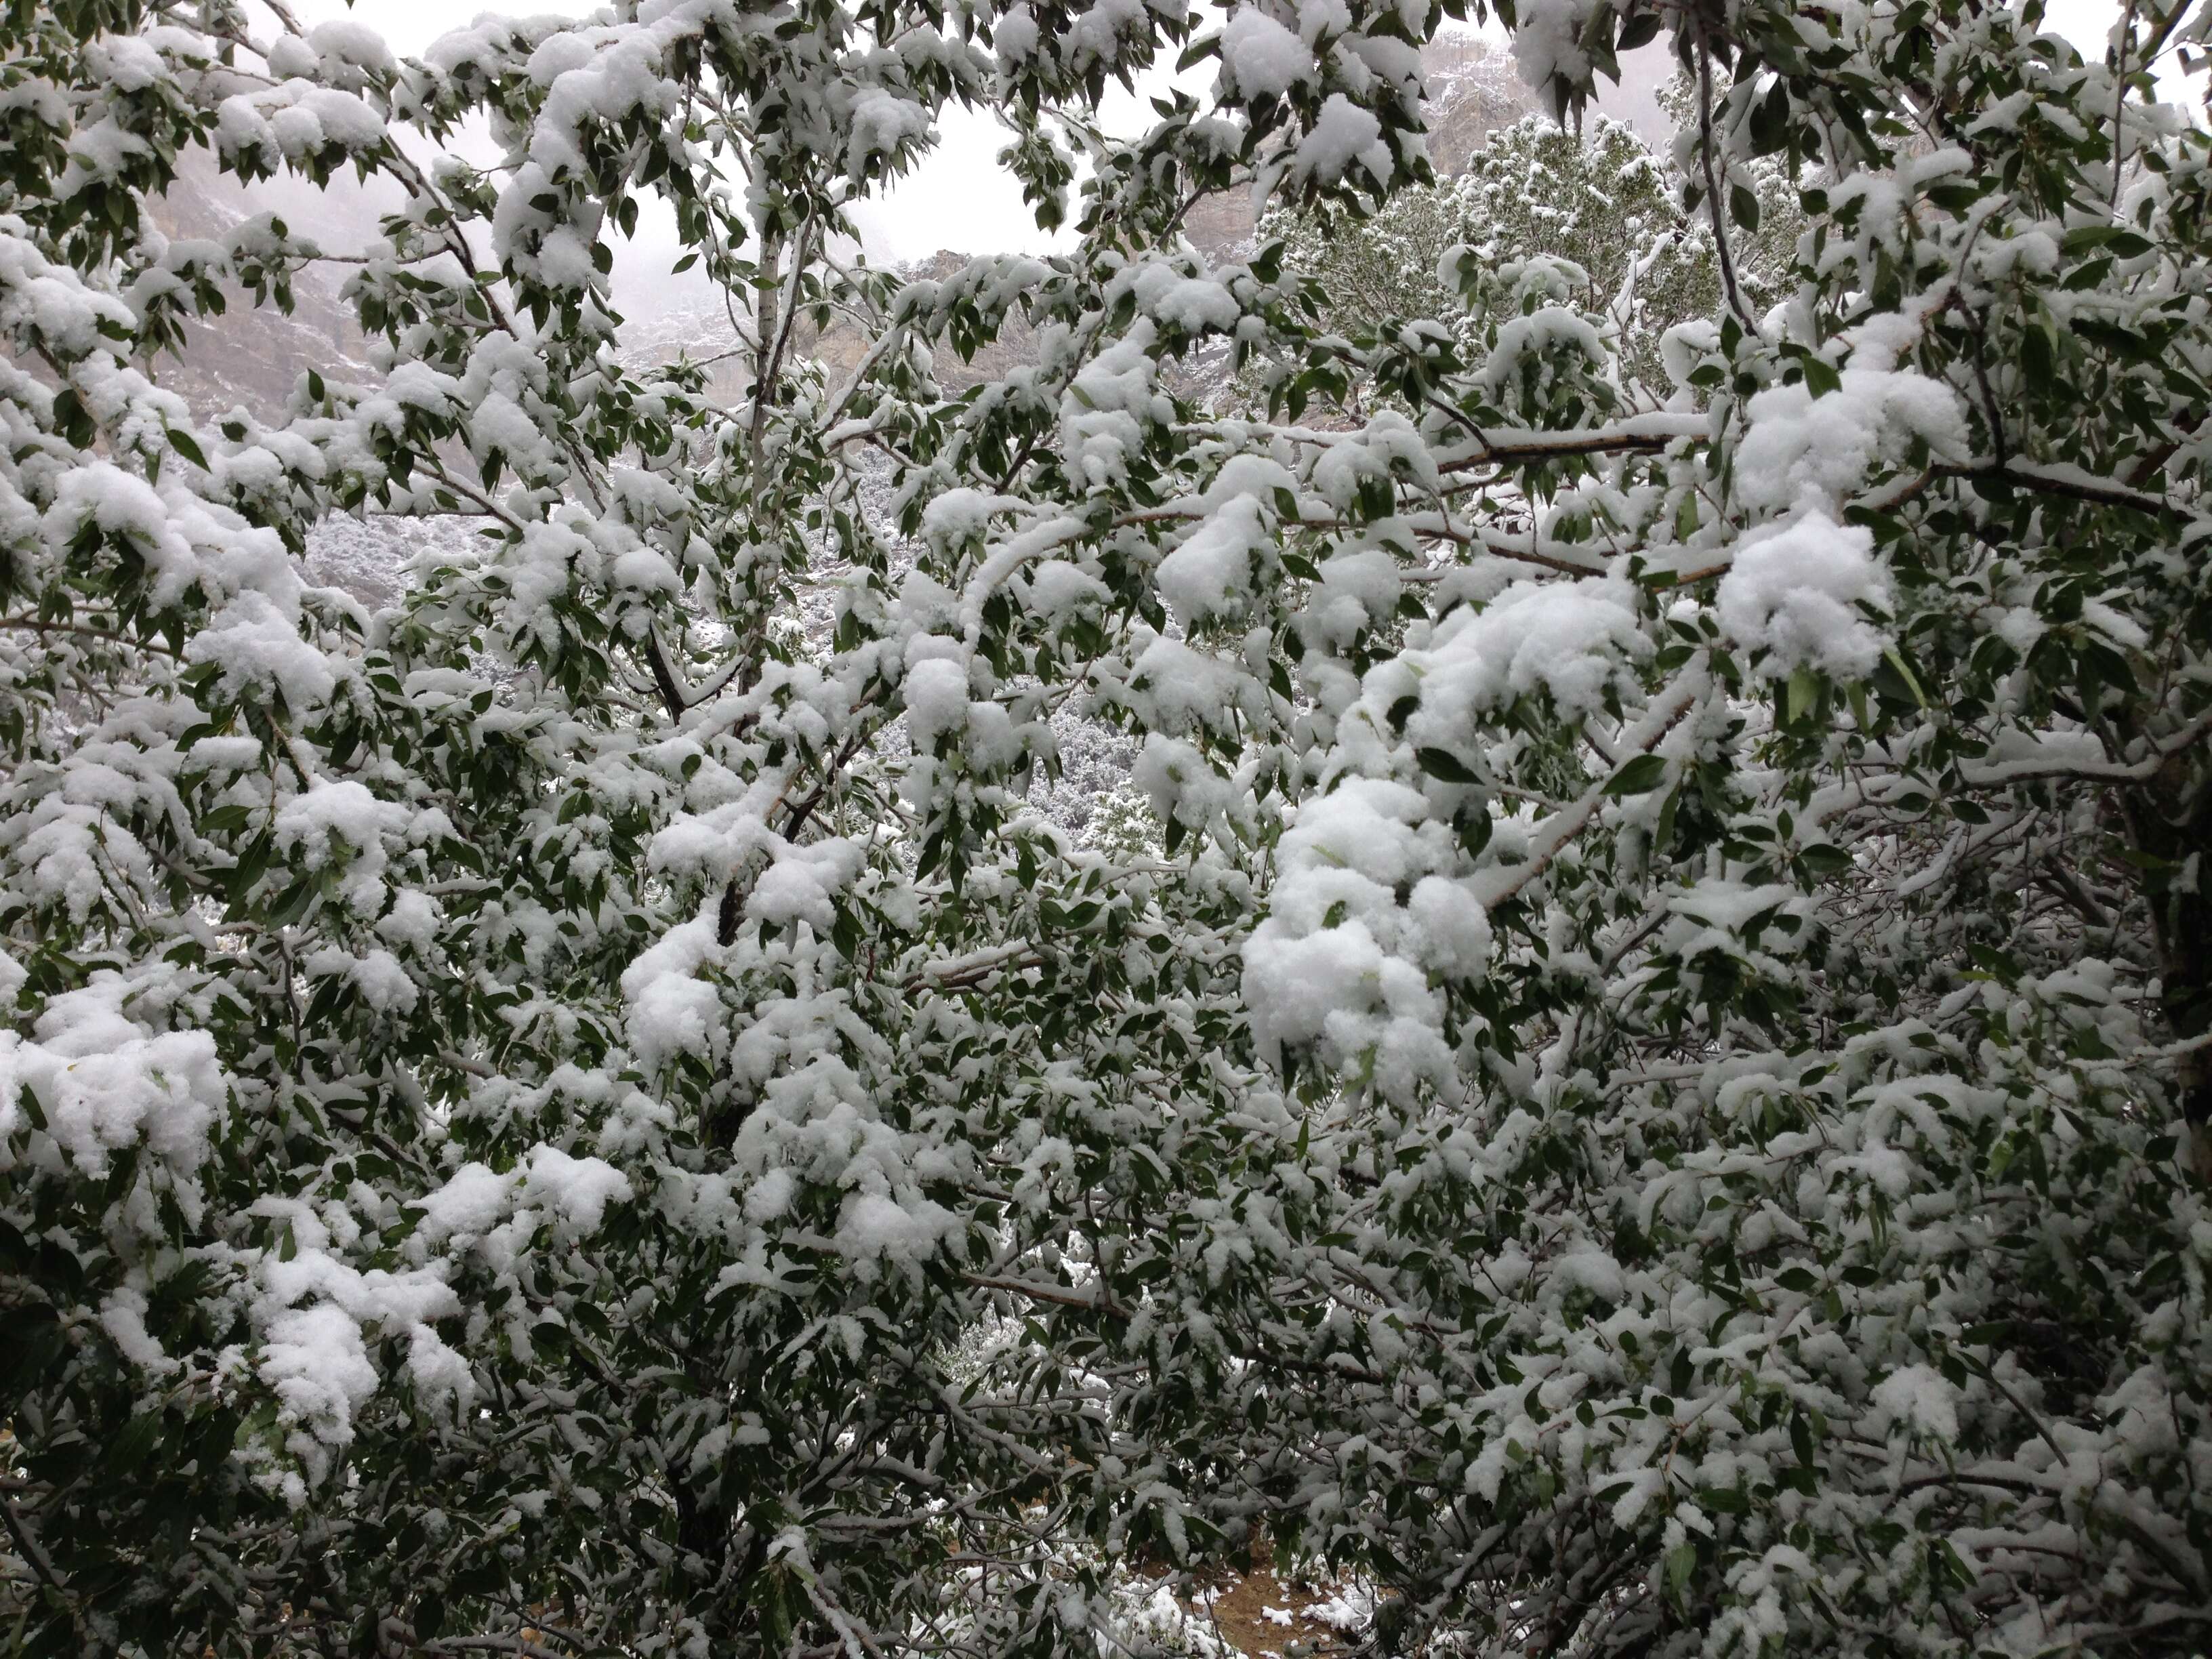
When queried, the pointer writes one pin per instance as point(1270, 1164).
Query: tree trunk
point(2171, 822)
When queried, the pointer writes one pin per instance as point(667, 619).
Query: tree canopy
point(1646, 1097)
point(1597, 204)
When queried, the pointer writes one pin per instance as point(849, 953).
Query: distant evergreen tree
point(1599, 204)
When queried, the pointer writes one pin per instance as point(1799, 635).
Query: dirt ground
point(1239, 1605)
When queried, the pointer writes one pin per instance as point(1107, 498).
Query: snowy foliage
point(1642, 1097)
point(1600, 209)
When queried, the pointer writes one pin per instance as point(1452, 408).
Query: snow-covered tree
point(1596, 201)
point(1642, 1097)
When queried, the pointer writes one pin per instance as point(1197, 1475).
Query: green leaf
point(2082, 237)
point(1638, 28)
point(1198, 51)
point(131, 1444)
point(1804, 693)
point(1681, 1562)
point(1905, 673)
point(1444, 764)
point(1639, 776)
point(1824, 859)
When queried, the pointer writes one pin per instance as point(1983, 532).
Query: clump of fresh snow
point(1188, 304)
point(1341, 135)
point(1795, 589)
point(1801, 450)
point(671, 1011)
point(935, 692)
point(1570, 639)
point(473, 1200)
point(1261, 58)
point(1547, 41)
point(104, 1082)
point(383, 983)
point(879, 1227)
point(1213, 571)
point(578, 1190)
point(1919, 1399)
point(803, 883)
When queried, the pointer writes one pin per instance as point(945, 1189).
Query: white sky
point(958, 197)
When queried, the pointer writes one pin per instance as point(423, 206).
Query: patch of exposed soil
point(1266, 1615)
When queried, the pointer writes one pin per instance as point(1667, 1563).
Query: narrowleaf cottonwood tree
point(1645, 1104)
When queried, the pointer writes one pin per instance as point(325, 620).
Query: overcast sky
point(958, 198)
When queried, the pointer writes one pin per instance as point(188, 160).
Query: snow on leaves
point(1634, 1086)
